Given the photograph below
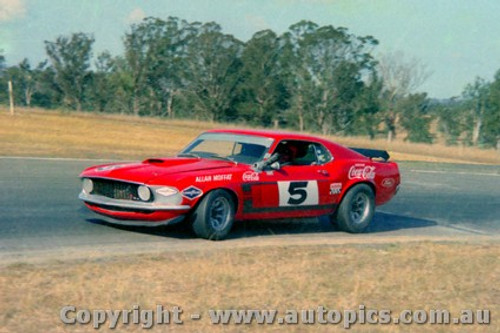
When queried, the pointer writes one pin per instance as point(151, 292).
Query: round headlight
point(144, 193)
point(87, 185)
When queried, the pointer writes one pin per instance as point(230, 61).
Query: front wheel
point(356, 209)
point(214, 216)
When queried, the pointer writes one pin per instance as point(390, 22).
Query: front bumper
point(139, 223)
point(137, 213)
point(128, 204)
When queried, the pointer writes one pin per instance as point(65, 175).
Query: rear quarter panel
point(387, 180)
point(383, 177)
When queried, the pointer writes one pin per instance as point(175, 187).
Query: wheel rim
point(360, 207)
point(220, 213)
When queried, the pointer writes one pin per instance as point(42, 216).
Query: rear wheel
point(214, 216)
point(356, 209)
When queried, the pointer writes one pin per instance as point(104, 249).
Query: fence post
point(11, 99)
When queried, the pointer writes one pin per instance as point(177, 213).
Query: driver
point(287, 153)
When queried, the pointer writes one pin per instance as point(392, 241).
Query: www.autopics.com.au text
point(175, 315)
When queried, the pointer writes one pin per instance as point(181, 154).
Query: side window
point(302, 153)
point(308, 156)
point(322, 154)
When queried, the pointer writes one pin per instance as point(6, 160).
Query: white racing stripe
point(457, 172)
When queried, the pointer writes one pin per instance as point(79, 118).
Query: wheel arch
point(370, 184)
point(230, 191)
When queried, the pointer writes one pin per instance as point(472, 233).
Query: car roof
point(270, 134)
point(339, 150)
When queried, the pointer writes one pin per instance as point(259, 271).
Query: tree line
point(310, 78)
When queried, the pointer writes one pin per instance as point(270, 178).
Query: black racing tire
point(214, 215)
point(356, 209)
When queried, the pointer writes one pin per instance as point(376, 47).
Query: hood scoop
point(154, 161)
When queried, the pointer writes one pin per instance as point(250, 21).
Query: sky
point(457, 40)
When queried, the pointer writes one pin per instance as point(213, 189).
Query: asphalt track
point(40, 214)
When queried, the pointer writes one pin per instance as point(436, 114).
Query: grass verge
point(44, 133)
point(395, 276)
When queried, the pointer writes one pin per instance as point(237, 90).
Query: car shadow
point(382, 222)
point(178, 230)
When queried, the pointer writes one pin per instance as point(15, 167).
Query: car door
point(299, 188)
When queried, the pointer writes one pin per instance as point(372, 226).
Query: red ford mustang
point(228, 175)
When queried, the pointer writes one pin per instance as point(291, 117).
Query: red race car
point(228, 175)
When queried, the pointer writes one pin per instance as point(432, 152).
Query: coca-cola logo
point(250, 176)
point(361, 171)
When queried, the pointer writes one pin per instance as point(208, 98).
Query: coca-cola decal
point(250, 176)
point(361, 171)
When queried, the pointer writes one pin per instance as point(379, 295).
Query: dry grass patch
point(55, 134)
point(34, 132)
point(423, 275)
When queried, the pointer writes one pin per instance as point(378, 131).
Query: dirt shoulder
point(117, 251)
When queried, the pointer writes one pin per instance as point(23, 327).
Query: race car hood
point(151, 169)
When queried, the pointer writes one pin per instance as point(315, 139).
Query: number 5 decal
point(298, 193)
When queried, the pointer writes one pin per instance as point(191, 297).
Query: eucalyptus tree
point(34, 86)
point(366, 107)
point(134, 66)
point(121, 85)
point(3, 82)
point(70, 58)
point(415, 117)
point(263, 97)
point(492, 116)
point(452, 120)
point(474, 118)
point(23, 80)
point(103, 89)
point(401, 77)
point(298, 77)
point(167, 67)
point(27, 81)
point(476, 97)
point(2, 63)
point(155, 55)
point(47, 92)
point(327, 65)
point(213, 66)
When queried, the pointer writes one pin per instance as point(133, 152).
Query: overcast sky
point(457, 39)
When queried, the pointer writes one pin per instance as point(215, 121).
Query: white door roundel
point(298, 193)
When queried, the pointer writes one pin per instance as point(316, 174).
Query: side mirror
point(275, 166)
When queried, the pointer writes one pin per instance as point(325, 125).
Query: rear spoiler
point(372, 153)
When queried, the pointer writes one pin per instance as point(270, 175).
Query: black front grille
point(115, 189)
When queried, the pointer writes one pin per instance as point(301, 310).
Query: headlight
point(144, 193)
point(87, 185)
point(167, 191)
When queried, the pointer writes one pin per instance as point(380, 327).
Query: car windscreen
point(239, 148)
